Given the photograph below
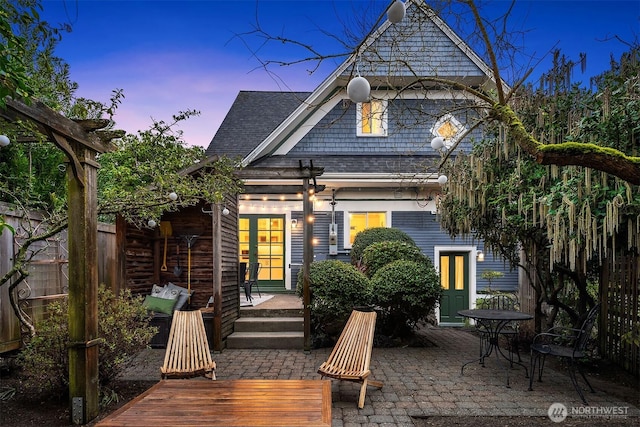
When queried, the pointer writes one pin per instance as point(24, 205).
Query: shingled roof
point(252, 117)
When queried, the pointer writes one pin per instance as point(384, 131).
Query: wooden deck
point(196, 402)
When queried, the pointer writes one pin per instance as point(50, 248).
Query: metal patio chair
point(500, 301)
point(566, 343)
point(254, 269)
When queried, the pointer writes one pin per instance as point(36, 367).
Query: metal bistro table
point(494, 321)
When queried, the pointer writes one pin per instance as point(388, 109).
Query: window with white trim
point(371, 118)
point(359, 221)
point(449, 128)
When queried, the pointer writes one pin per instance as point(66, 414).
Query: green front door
point(454, 278)
point(261, 239)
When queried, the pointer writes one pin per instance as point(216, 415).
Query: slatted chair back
point(351, 356)
point(187, 354)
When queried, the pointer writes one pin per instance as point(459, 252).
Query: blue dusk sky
point(171, 56)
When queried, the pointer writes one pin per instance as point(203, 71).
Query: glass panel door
point(454, 278)
point(261, 239)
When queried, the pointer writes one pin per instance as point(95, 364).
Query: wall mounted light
point(225, 211)
point(294, 223)
point(479, 256)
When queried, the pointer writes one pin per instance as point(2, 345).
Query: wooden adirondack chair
point(351, 356)
point(188, 353)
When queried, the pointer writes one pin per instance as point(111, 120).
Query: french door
point(261, 239)
point(454, 278)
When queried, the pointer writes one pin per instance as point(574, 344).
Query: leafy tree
point(564, 220)
point(135, 179)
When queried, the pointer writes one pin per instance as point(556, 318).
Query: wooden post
point(83, 287)
point(80, 149)
point(217, 277)
point(307, 259)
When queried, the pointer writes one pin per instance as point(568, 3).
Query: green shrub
point(405, 293)
point(123, 327)
point(336, 289)
point(379, 254)
point(373, 235)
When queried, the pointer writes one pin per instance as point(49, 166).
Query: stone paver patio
point(417, 382)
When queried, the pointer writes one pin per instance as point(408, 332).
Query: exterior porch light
point(4, 140)
point(396, 12)
point(225, 211)
point(442, 179)
point(480, 256)
point(294, 223)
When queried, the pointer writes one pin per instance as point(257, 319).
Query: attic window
point(371, 118)
point(449, 128)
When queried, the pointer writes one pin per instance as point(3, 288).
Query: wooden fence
point(48, 272)
point(620, 313)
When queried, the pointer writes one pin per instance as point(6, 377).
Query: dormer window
point(371, 118)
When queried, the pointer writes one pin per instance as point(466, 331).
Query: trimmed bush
point(336, 289)
point(405, 294)
point(379, 254)
point(373, 235)
point(123, 327)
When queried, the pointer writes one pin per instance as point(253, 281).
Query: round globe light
point(396, 12)
point(173, 196)
point(442, 179)
point(151, 223)
point(359, 89)
point(225, 211)
point(437, 143)
point(4, 140)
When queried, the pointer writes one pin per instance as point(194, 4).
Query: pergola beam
point(80, 148)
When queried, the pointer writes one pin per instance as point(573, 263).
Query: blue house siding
point(425, 230)
point(413, 47)
point(336, 132)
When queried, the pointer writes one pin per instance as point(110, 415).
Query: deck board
point(229, 403)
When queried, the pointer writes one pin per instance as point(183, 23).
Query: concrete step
point(269, 324)
point(266, 340)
